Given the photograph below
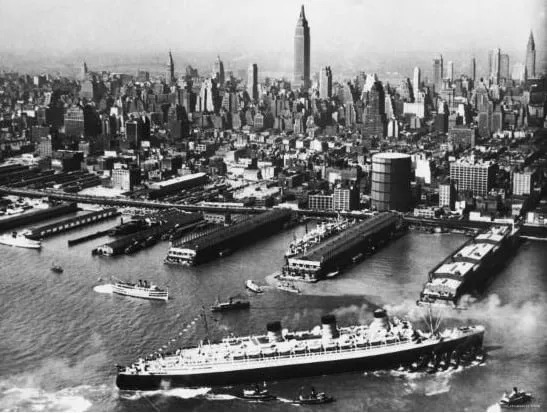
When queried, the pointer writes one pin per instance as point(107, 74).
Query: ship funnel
point(328, 328)
point(380, 322)
point(274, 332)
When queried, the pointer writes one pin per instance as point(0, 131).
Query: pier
point(134, 242)
point(71, 223)
point(37, 216)
point(466, 269)
point(331, 255)
point(88, 237)
point(225, 239)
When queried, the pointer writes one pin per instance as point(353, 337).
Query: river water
point(60, 338)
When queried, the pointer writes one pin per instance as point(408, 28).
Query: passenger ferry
point(140, 290)
point(280, 354)
point(19, 240)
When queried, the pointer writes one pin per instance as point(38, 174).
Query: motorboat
point(254, 287)
point(333, 274)
point(515, 399)
point(57, 269)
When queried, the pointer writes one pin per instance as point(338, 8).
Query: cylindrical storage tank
point(328, 327)
point(391, 175)
point(274, 332)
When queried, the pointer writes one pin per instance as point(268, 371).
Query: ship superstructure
point(283, 354)
point(321, 232)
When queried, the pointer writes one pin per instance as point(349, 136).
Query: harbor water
point(62, 334)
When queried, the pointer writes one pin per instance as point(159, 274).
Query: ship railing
point(306, 354)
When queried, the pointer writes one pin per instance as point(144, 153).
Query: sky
point(349, 26)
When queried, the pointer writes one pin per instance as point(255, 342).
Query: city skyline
point(211, 26)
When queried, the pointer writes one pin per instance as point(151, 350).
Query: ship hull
point(300, 368)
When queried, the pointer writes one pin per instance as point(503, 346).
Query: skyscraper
point(170, 73)
point(450, 71)
point(252, 81)
point(325, 82)
point(494, 57)
point(473, 69)
point(374, 118)
point(541, 36)
point(302, 52)
point(505, 72)
point(438, 73)
point(531, 57)
point(218, 71)
point(416, 79)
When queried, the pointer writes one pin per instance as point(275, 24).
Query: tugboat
point(231, 304)
point(287, 286)
point(140, 290)
point(515, 399)
point(254, 287)
point(314, 398)
point(57, 269)
point(257, 394)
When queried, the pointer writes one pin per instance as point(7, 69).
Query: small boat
point(515, 399)
point(225, 252)
point(19, 240)
point(57, 269)
point(357, 258)
point(257, 394)
point(287, 286)
point(314, 398)
point(333, 274)
point(231, 304)
point(254, 287)
point(480, 357)
point(140, 290)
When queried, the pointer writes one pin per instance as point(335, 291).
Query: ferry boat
point(515, 399)
point(254, 287)
point(140, 290)
point(287, 286)
point(19, 240)
point(231, 304)
point(281, 354)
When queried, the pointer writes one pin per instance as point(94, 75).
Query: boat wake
point(213, 396)
point(180, 392)
point(103, 289)
point(72, 399)
point(494, 408)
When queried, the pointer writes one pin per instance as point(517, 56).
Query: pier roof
point(474, 252)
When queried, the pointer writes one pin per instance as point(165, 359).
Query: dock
point(72, 223)
point(338, 251)
point(87, 237)
point(224, 240)
point(37, 216)
point(146, 238)
point(466, 268)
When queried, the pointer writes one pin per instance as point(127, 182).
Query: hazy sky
point(357, 26)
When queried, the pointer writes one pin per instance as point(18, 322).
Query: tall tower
point(531, 57)
point(494, 57)
point(473, 69)
point(438, 73)
point(541, 36)
point(450, 71)
point(416, 79)
point(325, 83)
point(170, 73)
point(252, 81)
point(302, 52)
point(218, 71)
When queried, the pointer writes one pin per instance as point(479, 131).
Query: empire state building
point(302, 52)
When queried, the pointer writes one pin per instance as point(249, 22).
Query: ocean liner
point(281, 354)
